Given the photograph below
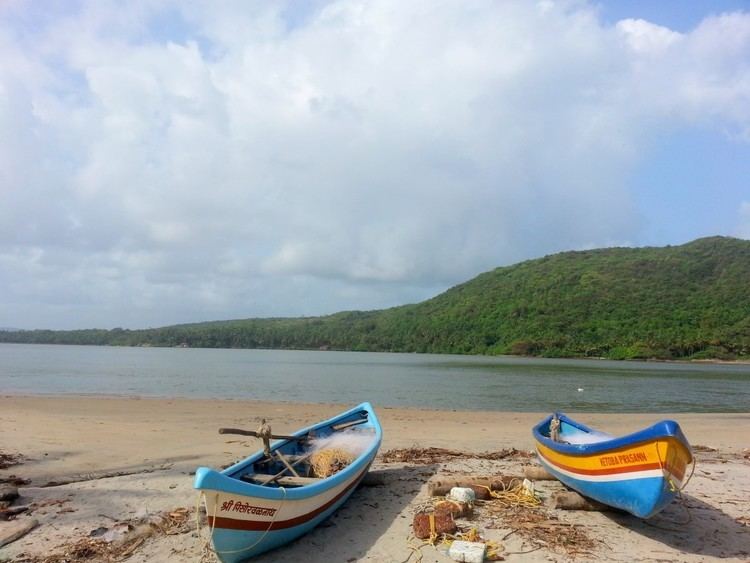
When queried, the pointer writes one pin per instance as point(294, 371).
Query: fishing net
point(329, 461)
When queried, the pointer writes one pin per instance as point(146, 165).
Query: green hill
point(690, 301)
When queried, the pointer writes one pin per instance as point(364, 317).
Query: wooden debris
point(455, 508)
point(17, 529)
point(14, 480)
point(480, 485)
point(118, 542)
point(8, 493)
point(7, 460)
point(570, 500)
point(542, 529)
point(537, 473)
point(12, 511)
point(439, 455)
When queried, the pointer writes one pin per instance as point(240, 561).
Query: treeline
point(684, 302)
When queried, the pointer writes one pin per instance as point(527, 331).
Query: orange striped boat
point(640, 473)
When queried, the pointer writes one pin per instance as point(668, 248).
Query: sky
point(182, 162)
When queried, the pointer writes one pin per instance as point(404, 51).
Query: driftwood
point(455, 508)
point(10, 512)
point(537, 473)
point(479, 485)
point(15, 530)
point(8, 492)
point(570, 500)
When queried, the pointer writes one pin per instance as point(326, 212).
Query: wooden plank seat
point(285, 481)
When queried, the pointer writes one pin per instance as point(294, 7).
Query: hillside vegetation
point(690, 301)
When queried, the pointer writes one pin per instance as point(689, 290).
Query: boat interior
point(295, 461)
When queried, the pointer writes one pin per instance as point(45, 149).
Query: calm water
point(422, 380)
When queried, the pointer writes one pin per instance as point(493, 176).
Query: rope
point(554, 428)
point(672, 487)
point(678, 493)
point(206, 548)
point(513, 494)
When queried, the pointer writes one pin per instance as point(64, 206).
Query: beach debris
point(427, 456)
point(11, 512)
point(98, 532)
point(15, 480)
point(571, 500)
point(482, 486)
point(541, 529)
point(467, 552)
point(117, 532)
point(15, 530)
point(537, 473)
point(117, 542)
point(432, 525)
point(7, 460)
point(8, 493)
point(462, 494)
point(456, 508)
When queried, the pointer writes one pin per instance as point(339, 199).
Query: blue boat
point(640, 473)
point(274, 496)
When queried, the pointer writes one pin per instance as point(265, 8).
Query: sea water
point(408, 380)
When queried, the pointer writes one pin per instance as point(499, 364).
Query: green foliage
point(689, 301)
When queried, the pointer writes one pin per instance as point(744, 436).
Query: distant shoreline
point(716, 361)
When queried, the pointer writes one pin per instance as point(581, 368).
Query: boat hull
point(247, 519)
point(640, 473)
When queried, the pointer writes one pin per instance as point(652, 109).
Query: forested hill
point(689, 301)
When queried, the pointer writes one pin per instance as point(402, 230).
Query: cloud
point(177, 163)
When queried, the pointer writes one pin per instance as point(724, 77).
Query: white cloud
point(648, 38)
point(371, 154)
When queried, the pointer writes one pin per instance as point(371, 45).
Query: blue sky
point(684, 183)
point(176, 162)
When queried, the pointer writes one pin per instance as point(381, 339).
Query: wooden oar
point(257, 435)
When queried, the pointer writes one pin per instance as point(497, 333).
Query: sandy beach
point(89, 463)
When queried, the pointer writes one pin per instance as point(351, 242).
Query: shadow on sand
point(692, 526)
point(353, 529)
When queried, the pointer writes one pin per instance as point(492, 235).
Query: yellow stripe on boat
point(632, 461)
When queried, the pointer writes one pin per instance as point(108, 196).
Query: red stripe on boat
point(259, 525)
point(605, 471)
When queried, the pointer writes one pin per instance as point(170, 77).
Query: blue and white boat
point(268, 500)
point(640, 473)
